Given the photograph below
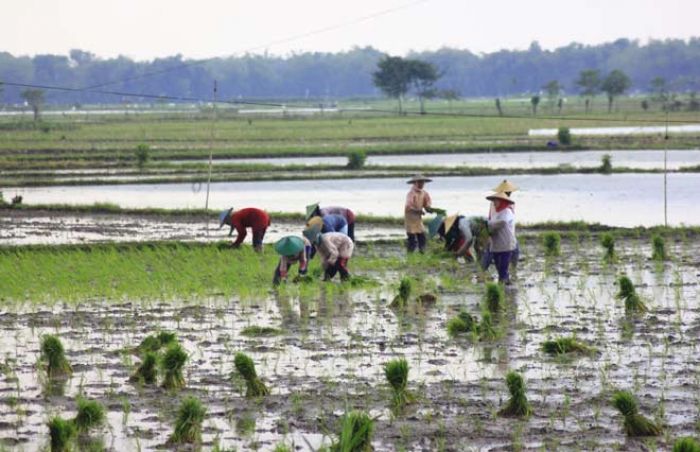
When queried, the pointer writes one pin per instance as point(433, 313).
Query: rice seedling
point(635, 424)
point(487, 331)
point(494, 297)
point(517, 404)
point(405, 289)
point(62, 433)
point(53, 357)
point(566, 345)
point(462, 323)
point(355, 434)
point(171, 364)
point(659, 248)
point(245, 366)
point(552, 243)
point(147, 372)
point(608, 242)
point(627, 293)
point(686, 444)
point(91, 413)
point(396, 372)
point(188, 425)
point(258, 331)
point(154, 343)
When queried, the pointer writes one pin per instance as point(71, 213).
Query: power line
point(269, 44)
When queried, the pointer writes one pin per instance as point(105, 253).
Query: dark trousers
point(351, 231)
point(487, 257)
point(415, 241)
point(502, 261)
point(336, 268)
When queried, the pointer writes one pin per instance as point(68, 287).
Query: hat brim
point(423, 179)
point(502, 198)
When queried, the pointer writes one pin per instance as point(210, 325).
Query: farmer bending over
point(460, 233)
point(314, 210)
point(256, 219)
point(335, 250)
point(292, 249)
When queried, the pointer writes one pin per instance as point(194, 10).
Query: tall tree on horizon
point(614, 85)
point(589, 84)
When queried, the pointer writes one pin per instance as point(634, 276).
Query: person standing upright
point(417, 203)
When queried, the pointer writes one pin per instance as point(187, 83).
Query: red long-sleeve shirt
point(250, 217)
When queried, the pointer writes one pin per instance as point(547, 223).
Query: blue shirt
point(333, 223)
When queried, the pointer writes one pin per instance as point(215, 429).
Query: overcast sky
point(145, 29)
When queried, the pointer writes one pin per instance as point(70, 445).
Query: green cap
point(310, 209)
point(313, 234)
point(289, 246)
point(434, 225)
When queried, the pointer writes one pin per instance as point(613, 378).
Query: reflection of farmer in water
point(256, 219)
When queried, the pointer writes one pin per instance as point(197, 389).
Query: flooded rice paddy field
point(330, 356)
point(643, 159)
point(630, 199)
point(22, 227)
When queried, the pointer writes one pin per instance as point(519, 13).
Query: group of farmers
point(330, 233)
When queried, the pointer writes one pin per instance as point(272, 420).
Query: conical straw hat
point(502, 196)
point(505, 186)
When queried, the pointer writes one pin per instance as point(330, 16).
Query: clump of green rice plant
point(155, 342)
point(552, 242)
point(62, 433)
point(566, 345)
point(356, 159)
point(494, 297)
point(462, 323)
point(282, 447)
point(54, 358)
point(91, 414)
point(606, 164)
point(405, 289)
point(147, 372)
point(171, 364)
point(245, 366)
point(564, 136)
point(686, 444)
point(188, 425)
point(635, 424)
point(659, 248)
point(627, 293)
point(356, 433)
point(487, 331)
point(517, 404)
point(257, 331)
point(396, 372)
point(608, 242)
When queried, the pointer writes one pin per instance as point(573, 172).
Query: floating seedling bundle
point(246, 368)
point(147, 372)
point(608, 242)
point(686, 444)
point(396, 372)
point(54, 358)
point(462, 323)
point(91, 414)
point(627, 293)
point(404, 294)
point(635, 424)
point(566, 345)
point(171, 364)
point(658, 248)
point(188, 425)
point(552, 242)
point(517, 404)
point(356, 433)
point(62, 433)
point(494, 297)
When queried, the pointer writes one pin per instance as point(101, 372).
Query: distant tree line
point(572, 70)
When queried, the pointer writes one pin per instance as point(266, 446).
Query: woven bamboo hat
point(505, 186)
point(418, 178)
point(502, 196)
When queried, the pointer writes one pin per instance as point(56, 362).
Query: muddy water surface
point(333, 346)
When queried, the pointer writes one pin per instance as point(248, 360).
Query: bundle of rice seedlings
point(155, 342)
point(171, 364)
point(608, 242)
point(188, 425)
point(686, 444)
point(486, 329)
point(147, 372)
point(245, 366)
point(91, 414)
point(494, 297)
point(564, 345)
point(62, 433)
point(463, 323)
point(659, 248)
point(517, 405)
point(356, 433)
point(635, 424)
point(552, 242)
point(405, 289)
point(396, 372)
point(54, 358)
point(627, 293)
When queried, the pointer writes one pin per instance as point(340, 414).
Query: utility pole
point(211, 145)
